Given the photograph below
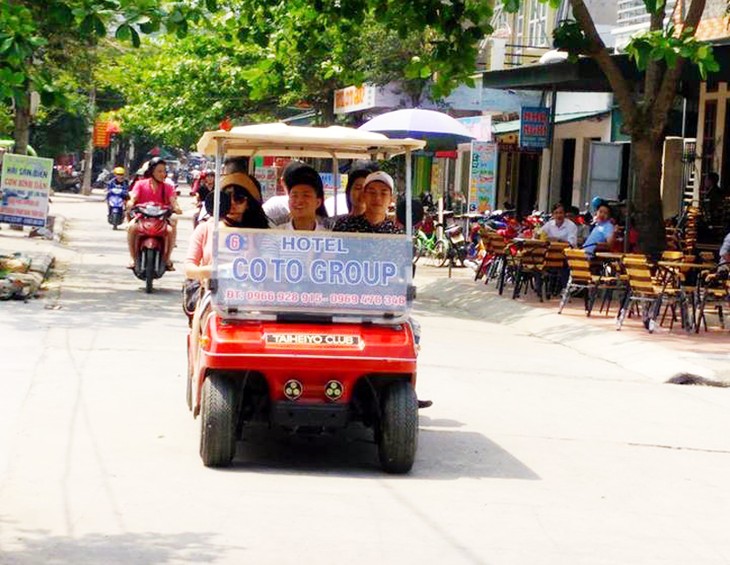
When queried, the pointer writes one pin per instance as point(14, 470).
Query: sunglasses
point(237, 194)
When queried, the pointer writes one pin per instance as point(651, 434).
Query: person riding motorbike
point(119, 180)
point(153, 189)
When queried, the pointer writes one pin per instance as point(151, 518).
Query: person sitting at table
point(559, 228)
point(378, 191)
point(603, 229)
point(725, 250)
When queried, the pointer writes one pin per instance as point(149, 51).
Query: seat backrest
point(554, 257)
point(672, 256)
point(639, 273)
point(579, 265)
point(531, 253)
point(495, 243)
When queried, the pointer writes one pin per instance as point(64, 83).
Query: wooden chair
point(494, 245)
point(553, 269)
point(714, 289)
point(581, 279)
point(527, 265)
point(644, 290)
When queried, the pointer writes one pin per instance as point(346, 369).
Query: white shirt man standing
point(559, 228)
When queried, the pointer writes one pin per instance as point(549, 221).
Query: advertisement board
point(483, 176)
point(331, 273)
point(267, 177)
point(354, 99)
point(534, 127)
point(24, 190)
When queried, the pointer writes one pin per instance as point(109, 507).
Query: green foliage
point(6, 120)
point(569, 36)
point(668, 46)
point(172, 89)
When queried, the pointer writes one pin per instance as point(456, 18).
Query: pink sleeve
point(171, 192)
point(197, 244)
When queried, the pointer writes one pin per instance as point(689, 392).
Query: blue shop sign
point(534, 127)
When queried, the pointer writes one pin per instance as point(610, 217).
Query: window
point(708, 137)
point(537, 35)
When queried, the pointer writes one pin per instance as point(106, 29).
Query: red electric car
point(306, 330)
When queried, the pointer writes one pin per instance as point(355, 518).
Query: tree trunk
point(89, 153)
point(21, 133)
point(646, 201)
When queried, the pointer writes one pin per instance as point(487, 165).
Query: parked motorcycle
point(152, 222)
point(63, 181)
point(115, 198)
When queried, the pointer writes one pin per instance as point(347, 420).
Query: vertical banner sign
point(534, 127)
point(24, 189)
point(437, 177)
point(101, 133)
point(483, 176)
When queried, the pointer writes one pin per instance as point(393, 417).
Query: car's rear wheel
point(217, 422)
point(397, 433)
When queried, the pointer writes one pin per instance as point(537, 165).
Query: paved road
point(532, 452)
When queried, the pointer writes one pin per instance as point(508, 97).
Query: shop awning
point(586, 76)
point(514, 125)
point(582, 76)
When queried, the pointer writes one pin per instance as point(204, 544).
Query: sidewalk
point(657, 356)
point(41, 247)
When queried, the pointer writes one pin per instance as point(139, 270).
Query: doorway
point(529, 178)
point(567, 169)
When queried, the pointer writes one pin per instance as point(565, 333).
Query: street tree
point(35, 33)
point(661, 52)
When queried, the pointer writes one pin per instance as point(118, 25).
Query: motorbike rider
point(153, 189)
point(119, 180)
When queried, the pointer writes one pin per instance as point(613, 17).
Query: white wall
point(571, 102)
point(583, 131)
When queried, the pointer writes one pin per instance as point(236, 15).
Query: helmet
point(119, 170)
point(597, 202)
point(152, 164)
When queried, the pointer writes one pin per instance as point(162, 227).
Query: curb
point(654, 361)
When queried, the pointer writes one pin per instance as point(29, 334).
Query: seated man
point(725, 250)
point(378, 194)
point(153, 189)
point(559, 228)
point(603, 229)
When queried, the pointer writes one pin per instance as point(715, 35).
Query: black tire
point(417, 251)
point(149, 269)
point(217, 419)
point(440, 253)
point(398, 428)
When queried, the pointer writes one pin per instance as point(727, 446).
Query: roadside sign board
point(354, 99)
point(483, 176)
point(335, 273)
point(24, 190)
point(534, 127)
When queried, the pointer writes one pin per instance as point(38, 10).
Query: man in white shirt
point(559, 228)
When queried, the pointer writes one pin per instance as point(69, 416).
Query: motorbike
point(66, 182)
point(115, 198)
point(153, 223)
point(457, 245)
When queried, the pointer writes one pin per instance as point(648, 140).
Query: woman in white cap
point(378, 194)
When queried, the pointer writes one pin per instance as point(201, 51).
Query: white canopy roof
point(281, 140)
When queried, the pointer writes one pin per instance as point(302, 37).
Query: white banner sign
point(24, 190)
